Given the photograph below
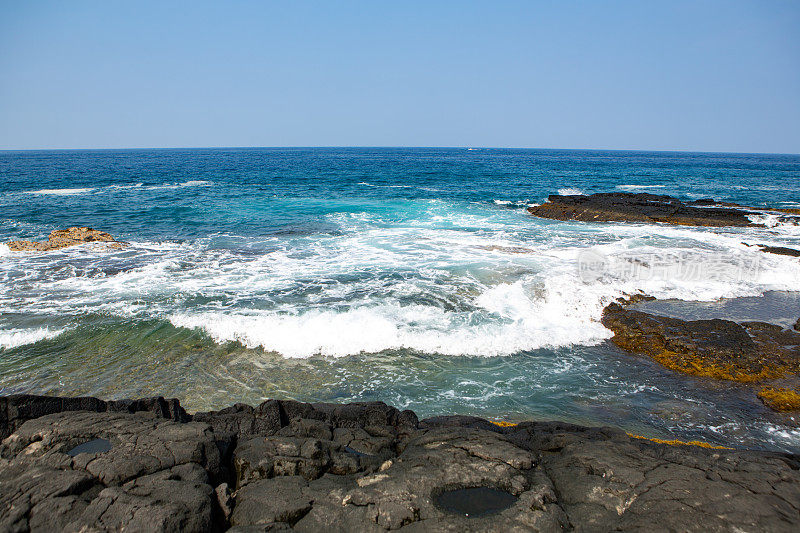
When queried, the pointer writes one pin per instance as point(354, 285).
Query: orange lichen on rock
point(503, 423)
point(698, 366)
point(675, 442)
point(780, 399)
point(61, 238)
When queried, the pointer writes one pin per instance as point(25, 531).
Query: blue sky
point(697, 75)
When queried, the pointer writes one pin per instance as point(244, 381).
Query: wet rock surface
point(779, 250)
point(287, 465)
point(766, 356)
point(63, 238)
point(641, 207)
point(722, 349)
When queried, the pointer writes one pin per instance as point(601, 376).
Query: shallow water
point(410, 276)
point(781, 308)
point(475, 502)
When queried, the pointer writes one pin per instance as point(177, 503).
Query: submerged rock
point(62, 238)
point(641, 207)
point(722, 349)
point(370, 467)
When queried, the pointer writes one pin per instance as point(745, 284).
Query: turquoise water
point(412, 276)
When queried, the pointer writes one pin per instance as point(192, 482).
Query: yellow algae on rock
point(780, 399)
point(503, 423)
point(675, 442)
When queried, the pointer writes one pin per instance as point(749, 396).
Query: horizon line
point(389, 147)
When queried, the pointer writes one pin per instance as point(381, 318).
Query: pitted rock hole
point(92, 446)
point(475, 502)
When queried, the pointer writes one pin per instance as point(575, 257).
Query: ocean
point(410, 276)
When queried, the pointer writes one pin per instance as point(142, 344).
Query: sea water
point(411, 276)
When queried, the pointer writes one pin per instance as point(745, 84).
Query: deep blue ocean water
point(412, 276)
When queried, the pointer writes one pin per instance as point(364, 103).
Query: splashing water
point(411, 276)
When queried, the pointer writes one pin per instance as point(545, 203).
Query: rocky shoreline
point(83, 464)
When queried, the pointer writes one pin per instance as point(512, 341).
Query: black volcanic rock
point(18, 408)
point(780, 250)
point(370, 467)
point(639, 207)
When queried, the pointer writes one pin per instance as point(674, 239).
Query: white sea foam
point(63, 192)
point(778, 224)
point(507, 321)
point(627, 187)
point(191, 183)
point(473, 280)
point(124, 187)
point(111, 188)
point(11, 338)
point(570, 191)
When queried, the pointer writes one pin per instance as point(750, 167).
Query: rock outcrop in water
point(779, 250)
point(641, 207)
point(62, 238)
point(747, 352)
point(722, 349)
point(287, 465)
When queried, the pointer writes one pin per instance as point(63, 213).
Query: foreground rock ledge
point(62, 238)
point(648, 208)
point(287, 465)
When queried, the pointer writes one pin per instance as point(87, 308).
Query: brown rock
point(61, 238)
point(721, 349)
point(641, 207)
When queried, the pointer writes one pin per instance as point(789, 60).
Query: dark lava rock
point(607, 481)
point(155, 476)
point(370, 467)
point(722, 349)
point(780, 250)
point(638, 207)
point(18, 408)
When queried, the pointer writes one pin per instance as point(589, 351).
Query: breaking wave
point(12, 338)
point(110, 188)
point(432, 284)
